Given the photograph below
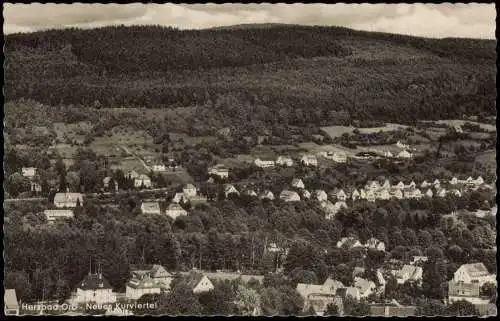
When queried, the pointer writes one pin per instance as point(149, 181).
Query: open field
point(337, 131)
point(178, 177)
point(487, 158)
point(191, 141)
point(388, 127)
point(129, 164)
point(138, 142)
point(75, 131)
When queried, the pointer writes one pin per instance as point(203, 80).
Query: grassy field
point(191, 141)
point(76, 131)
point(138, 142)
point(337, 131)
point(388, 127)
point(178, 177)
point(129, 164)
point(488, 159)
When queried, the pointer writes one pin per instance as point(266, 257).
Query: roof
point(94, 282)
point(363, 284)
point(154, 269)
point(297, 181)
point(143, 177)
point(288, 194)
point(233, 276)
point(476, 269)
point(175, 207)
point(189, 186)
point(66, 197)
point(150, 206)
point(10, 299)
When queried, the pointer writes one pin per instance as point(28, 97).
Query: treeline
point(158, 67)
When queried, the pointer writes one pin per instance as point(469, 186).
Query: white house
point(375, 244)
point(372, 186)
point(349, 242)
point(94, 288)
point(309, 160)
point(319, 296)
point(386, 185)
point(397, 193)
point(454, 181)
point(362, 194)
point(189, 191)
point(436, 183)
point(388, 154)
point(365, 287)
point(479, 181)
point(264, 163)
point(412, 184)
point(230, 189)
point(442, 192)
point(456, 193)
point(219, 170)
point(53, 215)
point(341, 195)
point(336, 157)
point(28, 172)
point(355, 195)
point(470, 292)
point(400, 185)
point(201, 284)
point(425, 184)
point(284, 161)
point(174, 210)
point(11, 305)
point(132, 175)
point(474, 273)
point(178, 198)
point(402, 145)
point(305, 194)
point(267, 194)
point(142, 181)
point(150, 208)
point(429, 193)
point(147, 279)
point(67, 200)
point(370, 196)
point(408, 273)
point(289, 196)
point(405, 154)
point(321, 195)
point(298, 183)
point(383, 194)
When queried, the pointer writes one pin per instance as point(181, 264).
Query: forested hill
point(313, 69)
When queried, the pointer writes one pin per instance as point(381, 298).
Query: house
point(200, 284)
point(412, 184)
point(362, 194)
point(388, 154)
point(28, 172)
point(400, 185)
point(375, 244)
point(67, 200)
point(250, 193)
point(298, 183)
point(386, 185)
point(370, 196)
point(336, 157)
point(284, 161)
point(454, 181)
point(264, 163)
point(412, 193)
point(474, 273)
point(11, 305)
point(189, 191)
point(456, 193)
point(372, 186)
point(230, 189)
point(349, 243)
point(105, 181)
point(147, 279)
point(305, 194)
point(383, 194)
point(341, 195)
point(36, 187)
point(441, 192)
point(309, 160)
point(174, 210)
point(365, 287)
point(429, 193)
point(219, 170)
point(289, 196)
point(463, 291)
point(408, 273)
point(321, 195)
point(358, 271)
point(330, 209)
point(150, 208)
point(142, 181)
point(318, 296)
point(425, 184)
point(397, 193)
point(178, 198)
point(267, 194)
point(94, 288)
point(355, 195)
point(405, 154)
point(158, 168)
point(53, 215)
point(479, 181)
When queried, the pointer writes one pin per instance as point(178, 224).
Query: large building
point(474, 273)
point(67, 200)
point(147, 279)
point(94, 288)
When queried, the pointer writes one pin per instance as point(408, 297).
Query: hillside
point(296, 70)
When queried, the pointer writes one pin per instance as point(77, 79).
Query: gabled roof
point(66, 197)
point(175, 207)
point(363, 285)
point(150, 206)
point(143, 177)
point(475, 269)
point(189, 186)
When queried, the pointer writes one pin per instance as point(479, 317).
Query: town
point(247, 170)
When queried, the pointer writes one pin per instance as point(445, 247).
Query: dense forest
point(295, 70)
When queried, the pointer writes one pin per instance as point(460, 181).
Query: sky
point(426, 20)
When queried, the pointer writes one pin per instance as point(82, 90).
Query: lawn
point(388, 127)
point(337, 131)
point(460, 122)
point(487, 158)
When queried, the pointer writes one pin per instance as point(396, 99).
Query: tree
point(332, 310)
point(180, 301)
point(18, 280)
point(431, 308)
point(16, 184)
point(219, 301)
point(247, 301)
